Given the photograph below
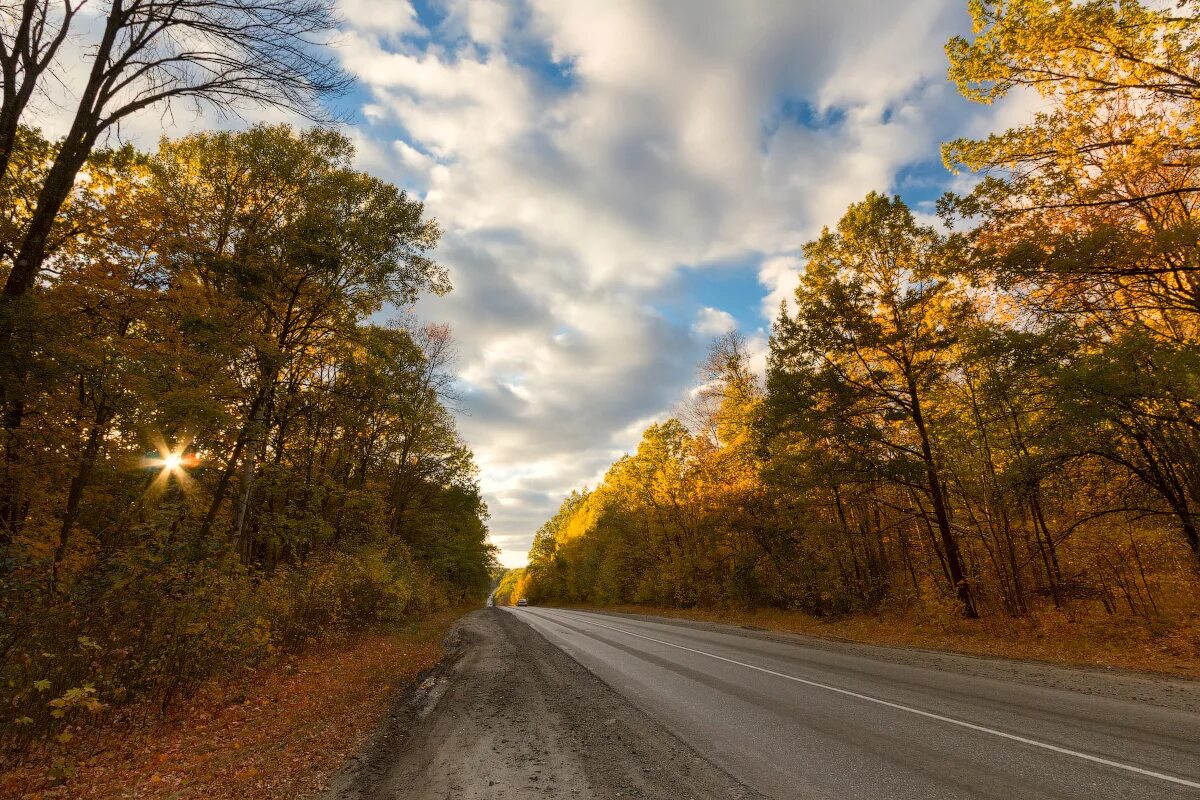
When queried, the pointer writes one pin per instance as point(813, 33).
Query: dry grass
point(279, 733)
point(1170, 646)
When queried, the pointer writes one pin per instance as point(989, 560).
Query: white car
point(522, 602)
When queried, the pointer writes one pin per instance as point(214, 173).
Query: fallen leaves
point(278, 733)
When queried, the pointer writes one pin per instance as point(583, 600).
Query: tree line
point(993, 414)
point(511, 587)
point(215, 448)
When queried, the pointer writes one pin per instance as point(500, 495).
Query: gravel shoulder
point(509, 715)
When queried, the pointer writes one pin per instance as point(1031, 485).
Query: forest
point(217, 448)
point(990, 412)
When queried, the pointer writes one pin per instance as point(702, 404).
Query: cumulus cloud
point(579, 154)
point(779, 276)
point(712, 322)
point(392, 17)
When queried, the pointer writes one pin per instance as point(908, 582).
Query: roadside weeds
point(281, 732)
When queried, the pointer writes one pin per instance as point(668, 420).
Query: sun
point(172, 463)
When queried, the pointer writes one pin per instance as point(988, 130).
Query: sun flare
point(172, 464)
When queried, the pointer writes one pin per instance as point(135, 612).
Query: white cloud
point(779, 275)
point(711, 322)
point(484, 21)
point(683, 133)
point(390, 17)
point(758, 348)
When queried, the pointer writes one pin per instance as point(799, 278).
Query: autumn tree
point(873, 337)
point(995, 419)
point(1089, 214)
point(226, 56)
point(246, 52)
point(294, 246)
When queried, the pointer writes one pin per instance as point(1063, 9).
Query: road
point(509, 716)
point(792, 717)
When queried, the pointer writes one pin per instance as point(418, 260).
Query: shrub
point(157, 622)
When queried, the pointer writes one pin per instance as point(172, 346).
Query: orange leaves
point(245, 774)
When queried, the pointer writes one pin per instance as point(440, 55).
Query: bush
point(154, 624)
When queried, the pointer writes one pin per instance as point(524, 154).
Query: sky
point(620, 181)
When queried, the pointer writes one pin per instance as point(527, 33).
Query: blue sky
point(619, 181)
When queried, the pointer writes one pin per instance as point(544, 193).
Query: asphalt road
point(793, 717)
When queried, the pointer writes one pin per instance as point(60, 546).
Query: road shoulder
point(509, 715)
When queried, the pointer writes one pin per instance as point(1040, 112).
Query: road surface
point(792, 717)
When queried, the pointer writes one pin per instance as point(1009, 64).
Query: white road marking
point(899, 707)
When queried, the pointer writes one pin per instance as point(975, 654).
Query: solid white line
point(899, 707)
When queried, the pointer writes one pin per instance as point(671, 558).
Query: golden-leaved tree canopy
point(1089, 213)
point(1117, 86)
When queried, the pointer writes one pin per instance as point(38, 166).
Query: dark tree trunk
point(21, 281)
point(222, 487)
point(83, 475)
point(954, 563)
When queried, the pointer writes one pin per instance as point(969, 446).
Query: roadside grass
point(1168, 645)
point(279, 732)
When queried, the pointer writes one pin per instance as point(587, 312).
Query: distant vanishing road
point(792, 717)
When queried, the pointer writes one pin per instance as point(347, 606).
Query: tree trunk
point(60, 180)
point(249, 466)
point(83, 474)
point(8, 138)
point(230, 467)
point(954, 564)
point(21, 280)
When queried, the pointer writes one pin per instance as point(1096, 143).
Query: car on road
point(522, 602)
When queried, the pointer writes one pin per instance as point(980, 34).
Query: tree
point(31, 33)
point(205, 333)
point(105, 227)
point(1009, 410)
point(294, 247)
point(873, 338)
point(507, 592)
point(149, 52)
point(1097, 194)
point(1121, 83)
point(1089, 214)
point(224, 55)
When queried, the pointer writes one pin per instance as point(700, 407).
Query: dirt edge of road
point(508, 715)
point(407, 709)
